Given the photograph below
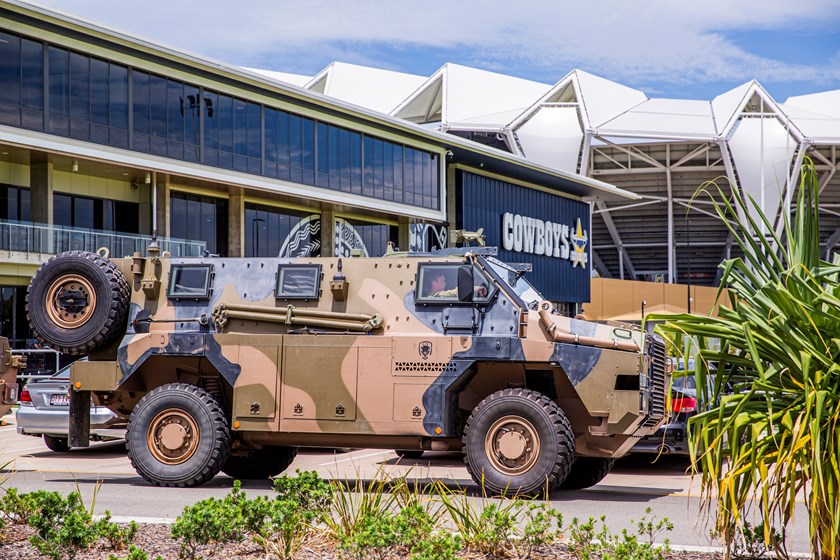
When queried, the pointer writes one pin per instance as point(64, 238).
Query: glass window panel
point(436, 181)
point(83, 213)
point(140, 93)
point(178, 217)
point(59, 81)
point(157, 106)
point(334, 156)
point(272, 232)
point(208, 224)
point(240, 127)
point(418, 177)
point(356, 162)
point(127, 217)
point(367, 154)
point(283, 138)
point(270, 135)
point(118, 95)
point(62, 210)
point(221, 226)
point(378, 168)
point(399, 185)
point(323, 155)
point(225, 124)
point(344, 159)
point(295, 141)
point(32, 59)
point(211, 121)
point(193, 218)
point(254, 133)
point(99, 91)
point(79, 87)
point(191, 114)
point(10, 73)
point(24, 205)
point(388, 169)
point(175, 110)
point(308, 155)
point(408, 175)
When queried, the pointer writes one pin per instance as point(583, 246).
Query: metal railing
point(30, 237)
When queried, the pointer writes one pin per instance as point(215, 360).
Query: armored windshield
point(516, 281)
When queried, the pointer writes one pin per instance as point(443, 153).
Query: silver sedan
point(45, 411)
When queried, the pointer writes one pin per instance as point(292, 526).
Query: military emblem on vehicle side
point(425, 349)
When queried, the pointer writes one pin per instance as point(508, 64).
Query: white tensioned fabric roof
point(295, 79)
point(372, 88)
point(456, 94)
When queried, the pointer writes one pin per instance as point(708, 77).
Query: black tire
point(55, 443)
point(533, 420)
point(260, 464)
point(586, 472)
point(409, 453)
point(200, 431)
point(77, 302)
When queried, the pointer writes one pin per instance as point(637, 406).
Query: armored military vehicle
point(229, 364)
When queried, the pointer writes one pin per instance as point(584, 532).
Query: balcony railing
point(29, 237)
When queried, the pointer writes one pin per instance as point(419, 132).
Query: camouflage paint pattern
point(417, 373)
point(9, 366)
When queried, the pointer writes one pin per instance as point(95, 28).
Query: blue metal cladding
point(562, 277)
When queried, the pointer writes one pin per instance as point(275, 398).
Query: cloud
point(639, 43)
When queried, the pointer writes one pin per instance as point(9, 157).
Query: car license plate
point(59, 400)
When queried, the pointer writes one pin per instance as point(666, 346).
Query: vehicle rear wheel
point(178, 435)
point(259, 464)
point(409, 453)
point(77, 302)
point(55, 443)
point(586, 472)
point(518, 441)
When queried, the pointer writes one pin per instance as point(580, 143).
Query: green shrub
point(17, 508)
point(543, 525)
point(63, 526)
point(437, 546)
point(214, 521)
point(134, 553)
point(118, 537)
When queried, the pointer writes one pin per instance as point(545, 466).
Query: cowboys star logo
point(425, 349)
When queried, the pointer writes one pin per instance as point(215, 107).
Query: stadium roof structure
point(663, 150)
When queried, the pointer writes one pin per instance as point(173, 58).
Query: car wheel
point(77, 302)
point(259, 464)
point(518, 441)
point(178, 435)
point(55, 443)
point(586, 472)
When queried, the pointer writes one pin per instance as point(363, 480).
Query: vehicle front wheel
point(178, 435)
point(55, 443)
point(518, 441)
point(259, 464)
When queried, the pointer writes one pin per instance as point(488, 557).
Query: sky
point(667, 48)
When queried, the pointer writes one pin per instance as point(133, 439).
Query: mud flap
point(79, 429)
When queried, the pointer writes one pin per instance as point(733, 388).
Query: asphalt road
point(103, 470)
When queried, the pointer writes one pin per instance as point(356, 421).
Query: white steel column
point(671, 248)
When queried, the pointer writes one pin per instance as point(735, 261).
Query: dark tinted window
point(298, 281)
point(189, 281)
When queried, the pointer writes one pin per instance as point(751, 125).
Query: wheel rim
point(512, 445)
point(70, 301)
point(173, 436)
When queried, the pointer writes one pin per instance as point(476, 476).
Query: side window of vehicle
point(437, 283)
point(190, 281)
point(484, 289)
point(298, 281)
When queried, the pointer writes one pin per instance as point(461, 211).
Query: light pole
point(255, 234)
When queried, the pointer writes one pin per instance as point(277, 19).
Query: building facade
point(107, 140)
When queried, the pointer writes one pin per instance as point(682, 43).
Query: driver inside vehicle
point(438, 286)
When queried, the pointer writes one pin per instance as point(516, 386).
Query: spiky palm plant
point(771, 433)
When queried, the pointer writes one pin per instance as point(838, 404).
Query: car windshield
point(516, 281)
